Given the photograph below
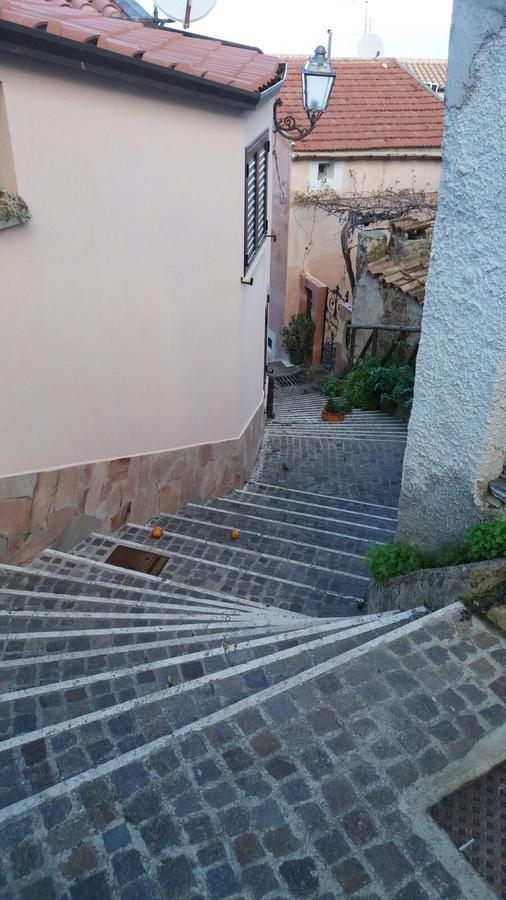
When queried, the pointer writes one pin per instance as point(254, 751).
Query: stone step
point(328, 501)
point(11, 600)
point(294, 434)
point(185, 554)
point(28, 620)
point(50, 642)
point(286, 599)
point(260, 540)
point(114, 649)
point(38, 582)
point(348, 524)
point(36, 759)
point(88, 574)
point(84, 693)
point(317, 425)
point(311, 422)
point(277, 527)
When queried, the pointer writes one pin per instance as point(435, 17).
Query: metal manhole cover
point(475, 819)
point(137, 560)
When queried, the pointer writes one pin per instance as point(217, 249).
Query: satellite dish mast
point(370, 46)
point(185, 11)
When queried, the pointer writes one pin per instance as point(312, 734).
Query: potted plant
point(297, 338)
point(336, 407)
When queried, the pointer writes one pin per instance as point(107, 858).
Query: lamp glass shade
point(317, 82)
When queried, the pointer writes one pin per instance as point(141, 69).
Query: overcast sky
point(407, 27)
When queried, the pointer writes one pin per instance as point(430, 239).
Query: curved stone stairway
point(103, 670)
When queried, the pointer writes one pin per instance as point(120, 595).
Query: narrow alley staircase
point(101, 666)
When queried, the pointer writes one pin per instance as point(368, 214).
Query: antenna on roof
point(366, 10)
point(329, 45)
point(185, 11)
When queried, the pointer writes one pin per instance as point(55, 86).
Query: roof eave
point(87, 58)
point(386, 153)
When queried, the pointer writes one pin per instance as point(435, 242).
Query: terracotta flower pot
point(331, 417)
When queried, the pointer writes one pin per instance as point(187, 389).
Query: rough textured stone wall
point(58, 508)
point(373, 302)
point(457, 432)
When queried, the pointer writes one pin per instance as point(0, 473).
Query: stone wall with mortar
point(457, 432)
point(58, 508)
point(376, 304)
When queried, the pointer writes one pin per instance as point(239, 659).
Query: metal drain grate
point(137, 560)
point(290, 380)
point(475, 819)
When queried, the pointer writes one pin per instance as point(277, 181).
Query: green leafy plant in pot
point(336, 407)
point(297, 338)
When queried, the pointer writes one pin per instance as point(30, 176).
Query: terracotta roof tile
point(428, 70)
point(409, 277)
point(102, 22)
point(375, 105)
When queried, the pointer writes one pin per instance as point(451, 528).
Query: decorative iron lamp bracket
point(317, 81)
point(288, 128)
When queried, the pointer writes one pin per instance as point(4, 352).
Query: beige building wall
point(314, 237)
point(125, 329)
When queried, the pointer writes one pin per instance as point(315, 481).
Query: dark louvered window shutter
point(255, 223)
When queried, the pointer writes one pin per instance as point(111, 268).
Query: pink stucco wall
point(125, 327)
point(126, 331)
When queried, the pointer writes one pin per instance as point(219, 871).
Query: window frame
point(252, 152)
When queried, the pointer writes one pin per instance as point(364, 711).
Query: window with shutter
point(255, 214)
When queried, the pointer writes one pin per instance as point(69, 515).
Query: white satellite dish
point(370, 46)
point(186, 11)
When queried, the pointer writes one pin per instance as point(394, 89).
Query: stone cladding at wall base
point(57, 507)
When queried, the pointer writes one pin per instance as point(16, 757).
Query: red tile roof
point(375, 105)
point(100, 22)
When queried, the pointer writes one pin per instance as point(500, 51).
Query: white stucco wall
point(457, 432)
point(124, 325)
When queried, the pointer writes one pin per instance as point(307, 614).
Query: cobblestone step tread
point(75, 746)
point(309, 514)
point(277, 525)
point(258, 541)
point(49, 563)
point(367, 506)
point(187, 556)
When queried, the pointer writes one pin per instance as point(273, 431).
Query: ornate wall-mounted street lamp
point(318, 79)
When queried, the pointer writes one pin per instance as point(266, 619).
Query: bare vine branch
point(357, 210)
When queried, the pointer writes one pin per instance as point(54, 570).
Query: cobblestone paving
point(238, 727)
point(363, 470)
point(298, 795)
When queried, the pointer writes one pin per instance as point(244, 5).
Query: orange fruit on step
point(157, 532)
point(235, 534)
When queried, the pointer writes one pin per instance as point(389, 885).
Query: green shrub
point(333, 386)
point(386, 561)
point(487, 540)
point(297, 338)
point(360, 385)
point(450, 555)
point(338, 406)
point(395, 386)
point(373, 386)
